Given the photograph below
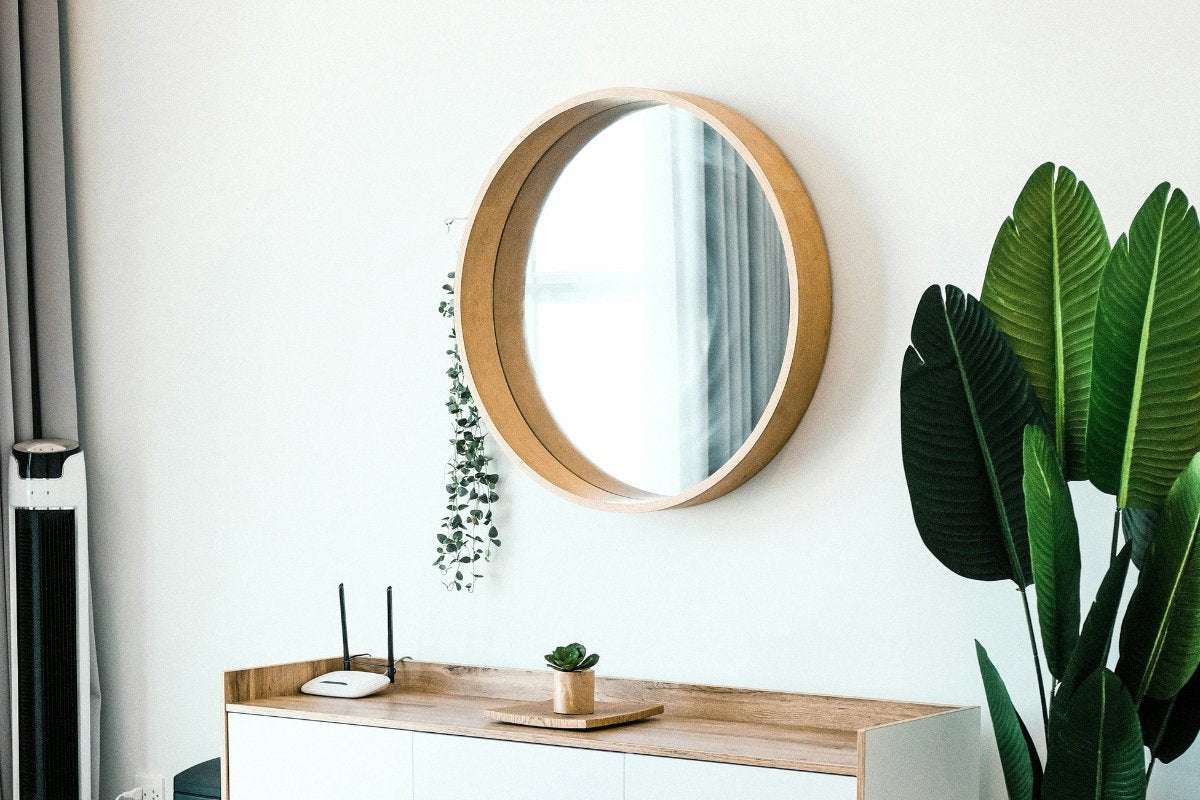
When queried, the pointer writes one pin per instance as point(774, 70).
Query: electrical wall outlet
point(152, 787)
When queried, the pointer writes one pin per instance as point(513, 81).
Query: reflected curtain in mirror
point(742, 288)
point(746, 298)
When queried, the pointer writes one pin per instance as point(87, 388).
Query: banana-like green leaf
point(1160, 637)
point(1053, 548)
point(1144, 417)
point(1096, 753)
point(964, 405)
point(1170, 726)
point(1138, 526)
point(1042, 280)
point(1018, 756)
point(1091, 652)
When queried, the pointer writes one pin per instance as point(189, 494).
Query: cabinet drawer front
point(457, 767)
point(272, 758)
point(654, 778)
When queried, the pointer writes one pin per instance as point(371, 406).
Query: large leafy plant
point(1080, 361)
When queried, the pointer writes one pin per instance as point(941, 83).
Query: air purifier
point(49, 622)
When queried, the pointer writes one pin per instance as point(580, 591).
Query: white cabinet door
point(271, 758)
point(462, 768)
point(653, 778)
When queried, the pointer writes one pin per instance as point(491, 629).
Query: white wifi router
point(346, 683)
point(353, 683)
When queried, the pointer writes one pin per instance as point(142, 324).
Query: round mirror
point(643, 300)
point(656, 300)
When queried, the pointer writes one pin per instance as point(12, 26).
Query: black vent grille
point(47, 664)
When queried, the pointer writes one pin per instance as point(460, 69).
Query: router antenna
point(345, 637)
point(391, 668)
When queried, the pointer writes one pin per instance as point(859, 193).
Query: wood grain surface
point(542, 715)
point(815, 733)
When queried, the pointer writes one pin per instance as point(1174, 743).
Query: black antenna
point(391, 669)
point(345, 638)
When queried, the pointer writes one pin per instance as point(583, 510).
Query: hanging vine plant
point(468, 533)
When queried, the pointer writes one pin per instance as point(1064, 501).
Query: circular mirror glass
point(656, 301)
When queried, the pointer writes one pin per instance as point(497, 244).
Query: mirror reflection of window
point(656, 300)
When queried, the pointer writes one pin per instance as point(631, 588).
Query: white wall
point(259, 190)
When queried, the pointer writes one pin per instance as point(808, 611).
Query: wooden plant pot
point(575, 692)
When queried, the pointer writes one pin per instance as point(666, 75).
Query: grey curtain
point(37, 367)
point(747, 298)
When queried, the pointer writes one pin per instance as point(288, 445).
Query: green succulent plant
point(571, 658)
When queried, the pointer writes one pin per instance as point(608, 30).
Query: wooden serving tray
point(541, 715)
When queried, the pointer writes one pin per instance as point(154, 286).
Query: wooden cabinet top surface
point(814, 733)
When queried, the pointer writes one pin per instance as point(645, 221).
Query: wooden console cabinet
point(426, 738)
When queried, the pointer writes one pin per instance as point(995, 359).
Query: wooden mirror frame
point(490, 283)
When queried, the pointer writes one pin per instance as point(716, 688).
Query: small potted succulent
point(574, 681)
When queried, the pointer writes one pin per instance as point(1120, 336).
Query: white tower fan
point(49, 622)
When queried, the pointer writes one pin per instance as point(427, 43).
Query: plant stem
point(1150, 769)
point(1037, 660)
point(1116, 532)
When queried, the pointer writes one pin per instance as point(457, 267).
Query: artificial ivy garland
point(470, 487)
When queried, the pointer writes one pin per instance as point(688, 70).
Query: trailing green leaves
point(1160, 637)
point(964, 405)
point(1041, 286)
point(1096, 753)
point(1053, 548)
point(1144, 417)
point(1018, 755)
point(469, 534)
